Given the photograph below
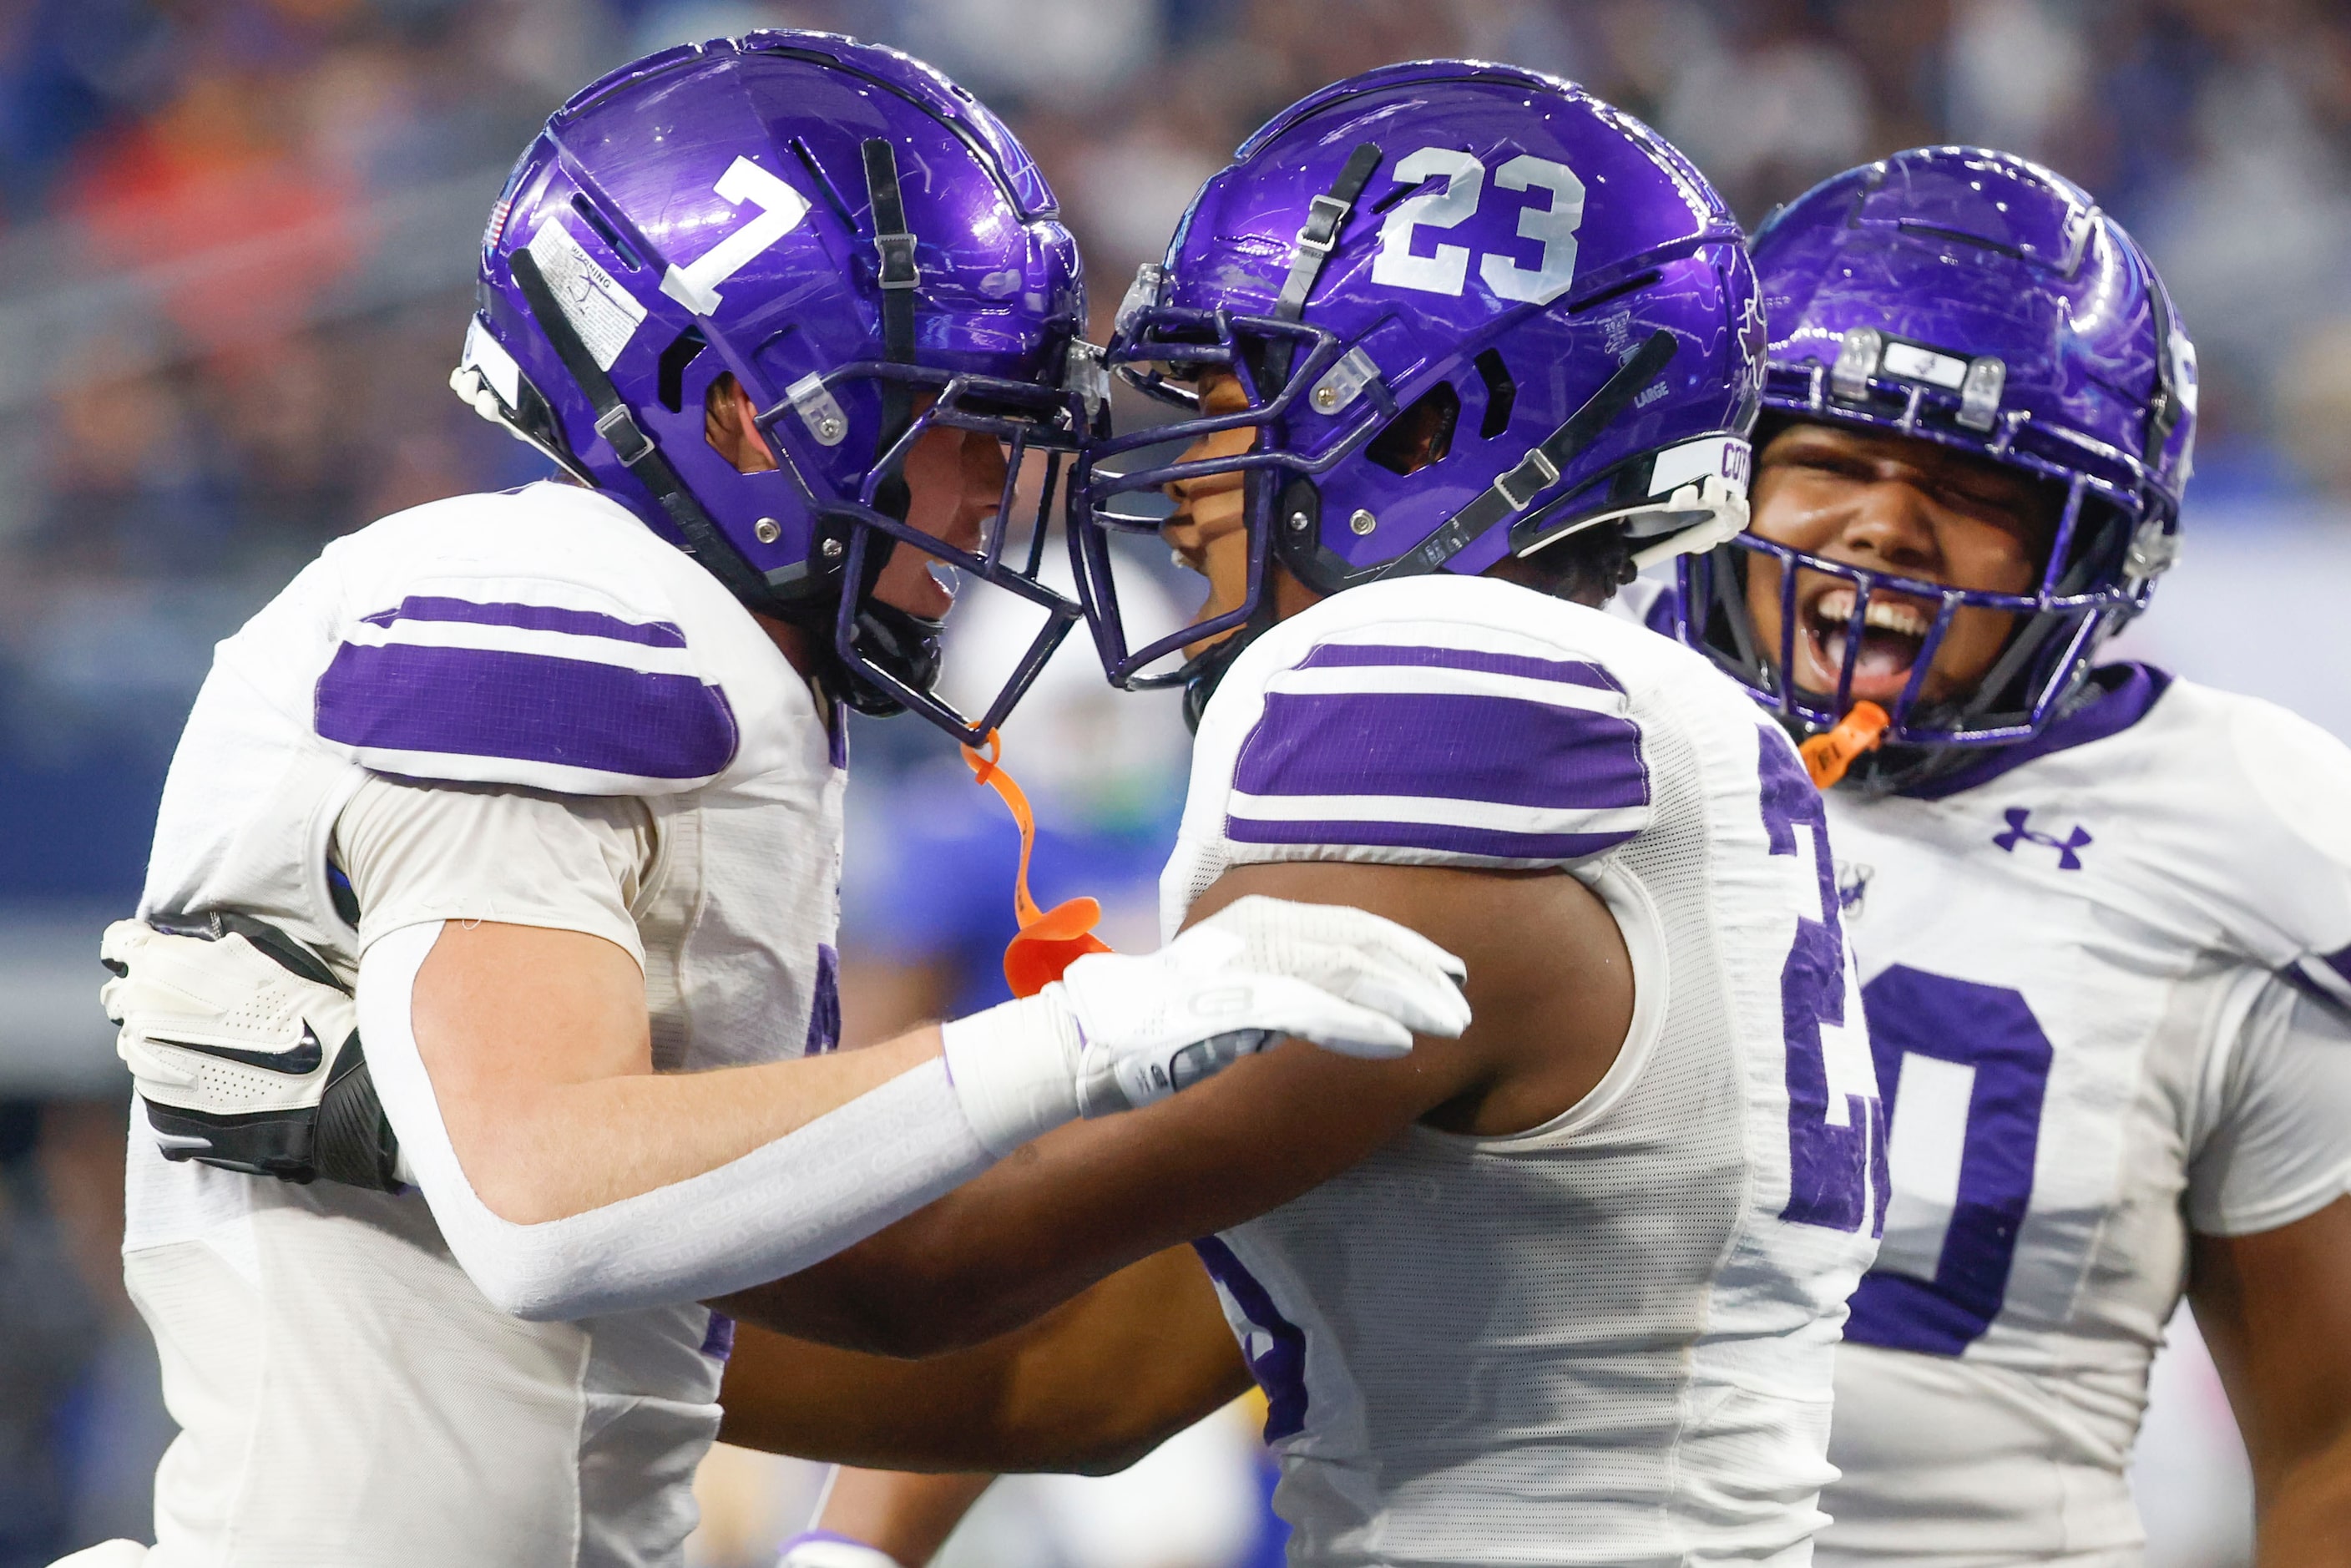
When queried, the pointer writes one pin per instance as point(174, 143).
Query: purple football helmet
point(844, 230)
point(1475, 311)
point(1974, 299)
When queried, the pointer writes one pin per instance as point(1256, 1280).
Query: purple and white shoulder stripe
point(508, 691)
point(1449, 751)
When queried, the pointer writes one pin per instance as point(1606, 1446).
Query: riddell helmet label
point(604, 314)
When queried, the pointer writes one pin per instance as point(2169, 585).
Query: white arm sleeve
point(2280, 1148)
point(784, 1206)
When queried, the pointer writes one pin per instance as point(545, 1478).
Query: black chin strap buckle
point(1320, 235)
point(1316, 241)
point(894, 245)
point(620, 431)
point(1516, 487)
point(636, 450)
point(898, 268)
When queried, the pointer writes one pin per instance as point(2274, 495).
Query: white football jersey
point(347, 1396)
point(1607, 1339)
point(2099, 971)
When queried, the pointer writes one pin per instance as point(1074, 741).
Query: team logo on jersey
point(2020, 831)
point(1853, 887)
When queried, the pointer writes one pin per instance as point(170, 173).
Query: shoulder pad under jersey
point(543, 638)
point(2222, 819)
point(1429, 721)
point(2281, 873)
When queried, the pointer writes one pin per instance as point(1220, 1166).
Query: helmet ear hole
point(1501, 394)
point(681, 352)
point(1421, 435)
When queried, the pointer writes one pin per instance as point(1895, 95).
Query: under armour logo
point(2018, 829)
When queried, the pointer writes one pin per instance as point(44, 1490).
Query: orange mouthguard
point(1827, 756)
point(1049, 940)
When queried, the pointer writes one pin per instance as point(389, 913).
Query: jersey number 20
point(1964, 1069)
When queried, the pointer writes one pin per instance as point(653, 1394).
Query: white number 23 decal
point(1447, 271)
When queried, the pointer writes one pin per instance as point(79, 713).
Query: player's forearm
point(1087, 1200)
point(848, 1163)
point(1089, 1387)
point(536, 1042)
point(568, 1148)
point(908, 1516)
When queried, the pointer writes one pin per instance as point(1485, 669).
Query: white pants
point(347, 1399)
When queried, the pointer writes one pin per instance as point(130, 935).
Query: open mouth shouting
point(1893, 633)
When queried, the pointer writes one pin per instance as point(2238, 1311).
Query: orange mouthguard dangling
point(1049, 940)
point(1828, 755)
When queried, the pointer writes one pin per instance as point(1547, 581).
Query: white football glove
point(1116, 1032)
point(246, 1050)
point(823, 1549)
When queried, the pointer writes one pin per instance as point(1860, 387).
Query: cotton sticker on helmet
point(603, 313)
point(1713, 456)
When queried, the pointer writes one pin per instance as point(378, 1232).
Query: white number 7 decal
point(781, 208)
point(1448, 270)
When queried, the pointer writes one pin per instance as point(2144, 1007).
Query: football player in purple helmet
point(540, 793)
point(2103, 916)
point(1453, 346)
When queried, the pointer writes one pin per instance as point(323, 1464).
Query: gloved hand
point(246, 1050)
point(823, 1549)
point(1117, 1031)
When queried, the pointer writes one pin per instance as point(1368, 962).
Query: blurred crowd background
point(236, 240)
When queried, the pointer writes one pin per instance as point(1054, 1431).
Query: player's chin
point(1208, 614)
point(919, 593)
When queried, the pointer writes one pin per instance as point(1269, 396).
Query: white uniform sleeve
point(789, 1203)
point(2279, 1145)
point(419, 853)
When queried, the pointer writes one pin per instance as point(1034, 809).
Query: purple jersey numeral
point(1990, 1031)
point(1829, 1166)
point(1277, 1359)
point(824, 1003)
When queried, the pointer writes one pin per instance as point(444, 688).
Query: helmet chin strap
point(634, 448)
point(904, 644)
point(1513, 491)
point(1203, 672)
point(894, 245)
point(1324, 215)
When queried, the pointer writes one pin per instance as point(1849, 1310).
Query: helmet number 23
point(1447, 271)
